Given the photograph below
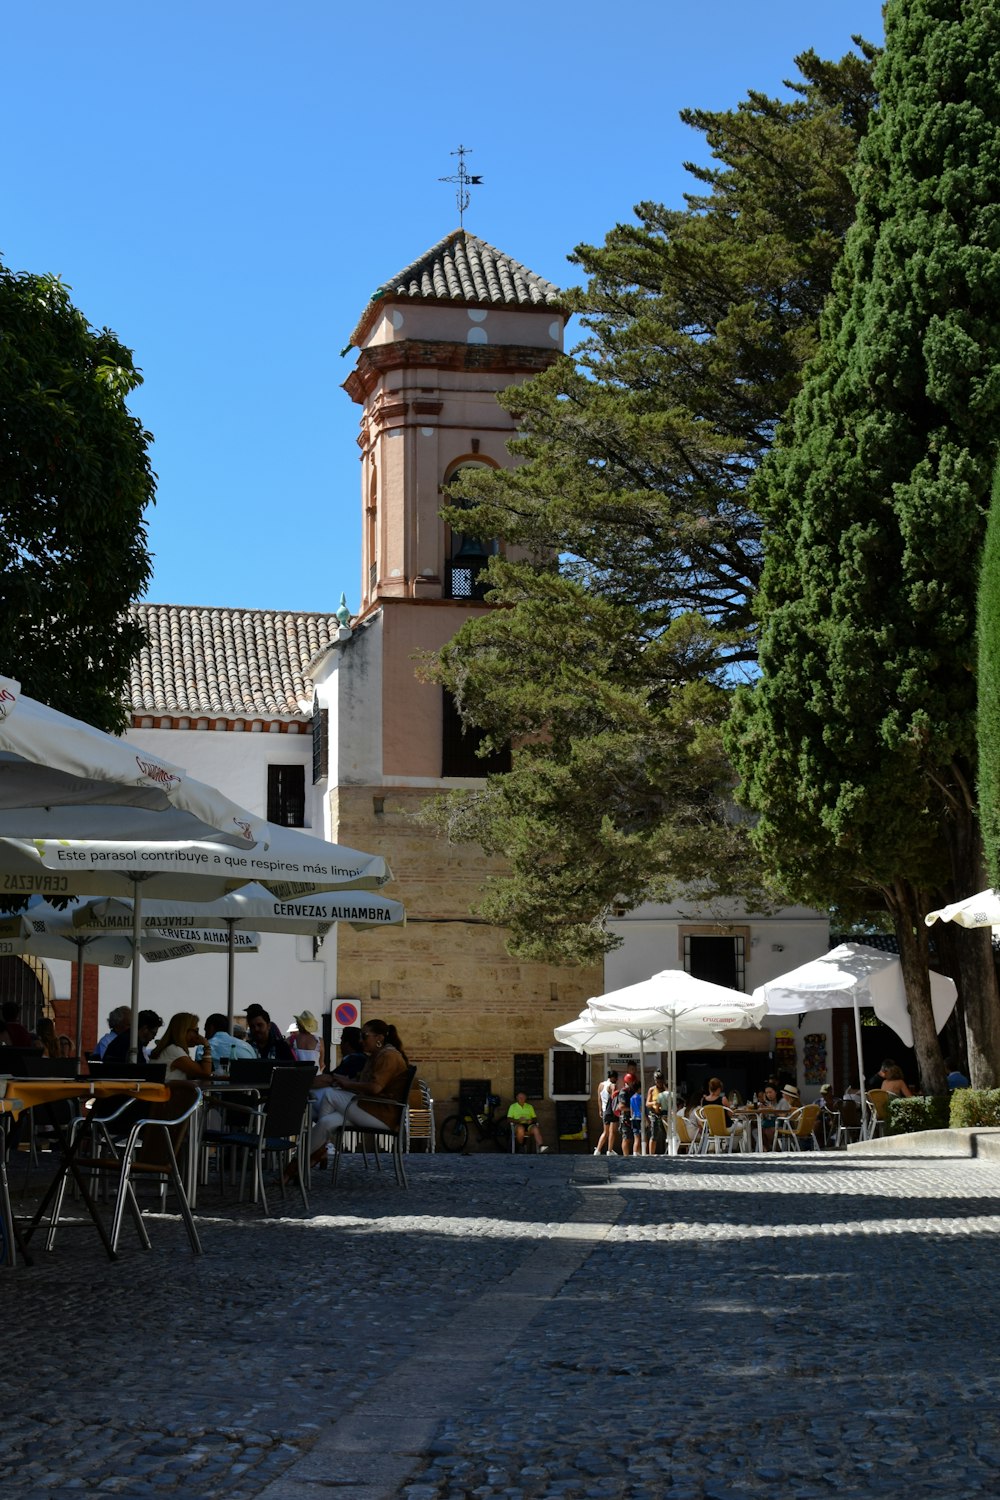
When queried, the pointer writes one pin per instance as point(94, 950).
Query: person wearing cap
point(305, 1041)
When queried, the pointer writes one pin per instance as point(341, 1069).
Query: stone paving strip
point(527, 1328)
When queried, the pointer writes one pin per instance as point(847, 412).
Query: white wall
point(652, 941)
point(234, 761)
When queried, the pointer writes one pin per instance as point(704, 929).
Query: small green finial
point(343, 613)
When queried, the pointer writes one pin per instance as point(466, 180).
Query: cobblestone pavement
point(527, 1328)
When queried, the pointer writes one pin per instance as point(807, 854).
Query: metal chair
point(687, 1134)
point(876, 1113)
point(391, 1136)
point(277, 1126)
point(718, 1135)
point(792, 1129)
point(149, 1154)
point(420, 1119)
point(850, 1125)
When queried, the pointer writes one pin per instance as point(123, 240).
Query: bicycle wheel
point(454, 1134)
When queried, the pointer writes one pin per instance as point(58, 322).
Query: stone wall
point(463, 1006)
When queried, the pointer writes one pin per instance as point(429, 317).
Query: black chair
point(278, 1125)
point(393, 1137)
point(251, 1070)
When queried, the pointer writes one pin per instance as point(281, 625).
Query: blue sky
point(224, 182)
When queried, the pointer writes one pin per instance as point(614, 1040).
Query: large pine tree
point(857, 749)
point(611, 663)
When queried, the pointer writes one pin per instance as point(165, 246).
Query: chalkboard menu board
point(529, 1074)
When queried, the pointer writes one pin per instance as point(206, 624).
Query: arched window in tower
point(467, 555)
point(371, 521)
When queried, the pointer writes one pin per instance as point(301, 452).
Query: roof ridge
point(461, 267)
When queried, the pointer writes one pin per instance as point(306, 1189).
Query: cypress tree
point(857, 749)
point(988, 713)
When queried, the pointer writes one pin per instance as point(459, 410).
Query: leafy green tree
point(75, 480)
point(857, 749)
point(608, 666)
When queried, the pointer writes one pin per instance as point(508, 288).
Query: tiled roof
point(246, 663)
point(463, 268)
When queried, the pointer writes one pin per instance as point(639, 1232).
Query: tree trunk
point(911, 934)
point(973, 949)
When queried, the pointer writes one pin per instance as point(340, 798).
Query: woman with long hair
point(383, 1074)
point(46, 1033)
point(174, 1049)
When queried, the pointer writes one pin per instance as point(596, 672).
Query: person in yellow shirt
point(525, 1121)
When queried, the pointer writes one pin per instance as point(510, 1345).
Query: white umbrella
point(251, 906)
point(288, 863)
point(62, 778)
point(43, 932)
point(982, 910)
point(675, 1005)
point(855, 975)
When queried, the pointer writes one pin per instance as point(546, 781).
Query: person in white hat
point(305, 1040)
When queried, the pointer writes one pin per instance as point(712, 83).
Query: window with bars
point(286, 796)
point(320, 742)
point(717, 958)
point(569, 1074)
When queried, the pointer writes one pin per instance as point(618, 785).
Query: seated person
point(119, 1020)
point(18, 1035)
point(893, 1083)
point(352, 1054)
point(715, 1093)
point(265, 1037)
point(174, 1049)
point(771, 1105)
point(117, 1050)
point(525, 1122)
point(956, 1078)
point(384, 1073)
point(224, 1046)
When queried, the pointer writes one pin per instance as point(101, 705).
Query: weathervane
point(464, 180)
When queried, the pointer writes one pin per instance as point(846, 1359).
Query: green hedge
point(922, 1112)
point(975, 1107)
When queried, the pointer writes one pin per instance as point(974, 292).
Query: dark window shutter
point(459, 745)
point(321, 743)
point(286, 796)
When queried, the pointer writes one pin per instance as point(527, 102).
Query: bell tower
point(436, 343)
point(435, 346)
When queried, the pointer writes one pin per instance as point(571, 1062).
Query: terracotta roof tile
point(464, 268)
point(234, 663)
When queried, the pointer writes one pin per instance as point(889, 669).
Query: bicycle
point(454, 1131)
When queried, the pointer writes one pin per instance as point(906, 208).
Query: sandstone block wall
point(463, 1006)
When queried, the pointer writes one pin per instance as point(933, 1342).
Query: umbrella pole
point(231, 989)
point(80, 943)
point(861, 1069)
point(133, 1035)
point(672, 1082)
point(642, 1086)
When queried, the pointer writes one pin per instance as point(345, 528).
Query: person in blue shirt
point(956, 1079)
point(223, 1045)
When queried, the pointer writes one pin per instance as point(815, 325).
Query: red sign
point(346, 1014)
